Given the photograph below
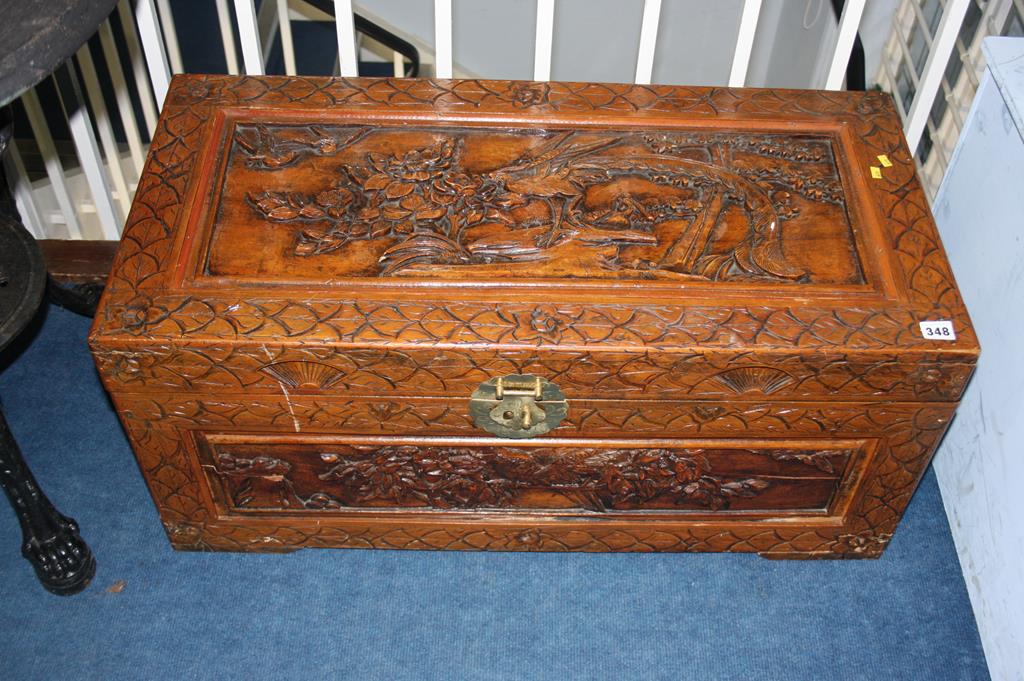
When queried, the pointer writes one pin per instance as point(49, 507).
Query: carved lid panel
point(415, 216)
point(326, 202)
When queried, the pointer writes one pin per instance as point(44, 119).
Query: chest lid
point(379, 214)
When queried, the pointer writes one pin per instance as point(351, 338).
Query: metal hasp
point(518, 406)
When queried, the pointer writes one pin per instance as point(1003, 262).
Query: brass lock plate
point(518, 406)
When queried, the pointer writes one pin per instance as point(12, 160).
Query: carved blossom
point(529, 94)
point(867, 542)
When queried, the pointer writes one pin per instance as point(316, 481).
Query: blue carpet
point(423, 615)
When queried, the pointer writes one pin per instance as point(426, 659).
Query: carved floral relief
point(542, 203)
point(410, 476)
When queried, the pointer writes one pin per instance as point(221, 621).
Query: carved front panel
point(874, 494)
point(253, 473)
point(327, 201)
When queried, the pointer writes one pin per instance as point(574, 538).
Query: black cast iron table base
point(51, 543)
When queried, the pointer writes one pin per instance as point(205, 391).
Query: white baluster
point(348, 65)
point(24, 198)
point(124, 100)
point(648, 41)
point(153, 49)
point(89, 155)
point(227, 36)
point(249, 33)
point(284, 24)
point(54, 169)
point(443, 38)
point(170, 35)
point(102, 119)
point(744, 43)
point(138, 63)
point(544, 39)
point(849, 22)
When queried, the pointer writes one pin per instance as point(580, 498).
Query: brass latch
point(517, 406)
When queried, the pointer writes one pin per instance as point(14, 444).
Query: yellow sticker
point(884, 160)
point(876, 172)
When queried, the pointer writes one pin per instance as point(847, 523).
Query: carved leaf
point(821, 460)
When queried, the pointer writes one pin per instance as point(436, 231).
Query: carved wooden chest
point(523, 316)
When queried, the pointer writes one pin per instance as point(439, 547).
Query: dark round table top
point(22, 279)
point(37, 36)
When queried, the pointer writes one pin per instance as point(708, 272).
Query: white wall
point(980, 465)
point(792, 39)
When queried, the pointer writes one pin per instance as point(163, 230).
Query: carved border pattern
point(135, 308)
point(428, 323)
point(454, 371)
point(908, 434)
point(600, 537)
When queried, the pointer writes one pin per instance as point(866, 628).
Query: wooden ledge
point(74, 262)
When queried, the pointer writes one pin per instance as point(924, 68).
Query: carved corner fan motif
point(765, 380)
point(304, 375)
point(458, 202)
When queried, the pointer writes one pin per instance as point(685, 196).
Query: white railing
point(91, 200)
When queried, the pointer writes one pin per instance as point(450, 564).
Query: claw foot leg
point(62, 561)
